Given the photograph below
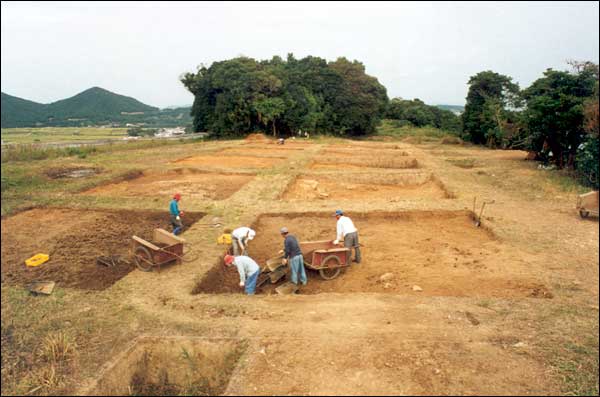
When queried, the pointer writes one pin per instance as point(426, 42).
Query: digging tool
point(478, 222)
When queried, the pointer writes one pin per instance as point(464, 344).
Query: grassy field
point(60, 134)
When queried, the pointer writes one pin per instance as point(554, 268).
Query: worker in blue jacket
point(176, 214)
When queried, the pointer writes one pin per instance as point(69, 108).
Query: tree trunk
point(274, 130)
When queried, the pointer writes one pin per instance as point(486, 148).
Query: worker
point(347, 231)
point(248, 270)
point(240, 238)
point(176, 214)
point(293, 255)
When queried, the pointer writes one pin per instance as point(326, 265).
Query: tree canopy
point(242, 95)
point(418, 114)
point(486, 116)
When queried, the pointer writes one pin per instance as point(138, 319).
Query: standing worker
point(176, 214)
point(248, 270)
point(240, 238)
point(347, 231)
point(293, 255)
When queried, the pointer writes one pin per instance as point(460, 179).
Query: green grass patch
point(400, 131)
point(60, 134)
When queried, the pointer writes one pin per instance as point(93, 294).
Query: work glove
point(336, 242)
point(180, 213)
point(178, 218)
point(241, 284)
point(280, 252)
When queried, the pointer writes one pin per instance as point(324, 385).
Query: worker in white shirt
point(240, 238)
point(347, 231)
point(248, 270)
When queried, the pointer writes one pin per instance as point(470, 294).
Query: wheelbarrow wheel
point(584, 214)
point(143, 259)
point(331, 267)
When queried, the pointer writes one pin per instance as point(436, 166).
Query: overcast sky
point(53, 50)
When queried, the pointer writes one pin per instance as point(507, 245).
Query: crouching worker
point(292, 254)
point(248, 270)
point(176, 214)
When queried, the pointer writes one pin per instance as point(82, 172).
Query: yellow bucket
point(37, 260)
point(224, 239)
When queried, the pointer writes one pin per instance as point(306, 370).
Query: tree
point(419, 114)
point(554, 114)
point(241, 95)
point(486, 111)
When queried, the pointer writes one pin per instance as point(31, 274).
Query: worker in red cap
point(248, 270)
point(176, 214)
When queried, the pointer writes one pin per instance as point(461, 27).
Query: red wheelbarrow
point(324, 256)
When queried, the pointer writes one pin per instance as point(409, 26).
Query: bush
point(587, 161)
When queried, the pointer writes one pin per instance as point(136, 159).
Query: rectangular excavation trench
point(414, 185)
point(441, 252)
point(230, 162)
point(342, 163)
point(74, 239)
point(163, 366)
point(190, 183)
point(259, 152)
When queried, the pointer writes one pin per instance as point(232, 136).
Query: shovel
point(478, 222)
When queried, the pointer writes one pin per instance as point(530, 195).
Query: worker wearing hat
point(347, 231)
point(240, 238)
point(248, 270)
point(293, 255)
point(176, 214)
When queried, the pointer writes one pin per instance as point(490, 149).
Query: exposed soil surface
point(440, 252)
point(229, 162)
point(348, 188)
point(258, 152)
point(350, 163)
point(74, 239)
point(188, 182)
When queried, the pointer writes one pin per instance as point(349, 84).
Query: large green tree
point(489, 99)
point(242, 95)
point(554, 113)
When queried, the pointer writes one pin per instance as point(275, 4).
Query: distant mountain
point(91, 107)
point(96, 102)
point(19, 112)
point(456, 109)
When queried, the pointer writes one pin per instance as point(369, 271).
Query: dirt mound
point(74, 239)
point(256, 137)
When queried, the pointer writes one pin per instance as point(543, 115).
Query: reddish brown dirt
point(190, 183)
point(236, 162)
point(74, 239)
point(353, 152)
point(406, 187)
point(346, 162)
point(256, 152)
point(441, 252)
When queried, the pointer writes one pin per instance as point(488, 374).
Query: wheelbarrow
point(587, 204)
point(164, 248)
point(324, 256)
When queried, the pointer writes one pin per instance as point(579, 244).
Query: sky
point(54, 50)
